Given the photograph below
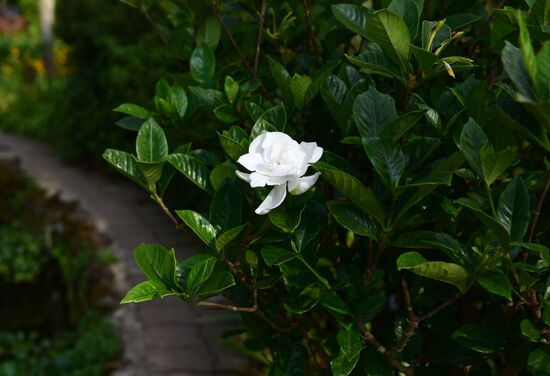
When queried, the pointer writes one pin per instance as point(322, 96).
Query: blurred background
point(64, 65)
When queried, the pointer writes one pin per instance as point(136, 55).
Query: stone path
point(164, 337)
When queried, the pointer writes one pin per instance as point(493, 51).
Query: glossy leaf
point(228, 236)
point(387, 158)
point(441, 271)
point(226, 206)
point(202, 63)
point(496, 227)
point(126, 164)
point(353, 219)
point(274, 255)
point(496, 283)
point(133, 110)
point(199, 273)
point(217, 283)
point(349, 342)
point(353, 189)
point(472, 141)
point(400, 126)
point(193, 169)
point(478, 338)
point(282, 79)
point(493, 164)
point(391, 33)
point(353, 17)
point(299, 86)
point(513, 210)
point(342, 366)
point(157, 263)
point(372, 111)
point(146, 291)
point(151, 144)
point(200, 225)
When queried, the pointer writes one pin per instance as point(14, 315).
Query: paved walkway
point(164, 337)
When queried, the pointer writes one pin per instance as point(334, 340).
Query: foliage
point(50, 263)
point(422, 247)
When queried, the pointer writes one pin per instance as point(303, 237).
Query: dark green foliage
point(422, 247)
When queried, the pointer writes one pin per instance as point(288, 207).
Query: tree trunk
point(47, 19)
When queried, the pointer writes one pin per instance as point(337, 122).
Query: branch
point(311, 34)
point(227, 307)
point(536, 213)
point(390, 356)
point(415, 320)
point(259, 40)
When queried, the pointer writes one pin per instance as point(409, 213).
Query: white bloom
point(276, 159)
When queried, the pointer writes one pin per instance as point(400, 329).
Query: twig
point(233, 42)
point(155, 26)
point(226, 307)
point(259, 40)
point(311, 34)
point(536, 213)
point(415, 320)
point(390, 356)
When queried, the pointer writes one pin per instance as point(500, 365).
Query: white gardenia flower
point(276, 159)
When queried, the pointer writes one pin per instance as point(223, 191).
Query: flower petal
point(256, 146)
point(273, 199)
point(244, 176)
point(251, 161)
point(258, 180)
point(312, 151)
point(299, 186)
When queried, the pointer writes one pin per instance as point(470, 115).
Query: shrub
point(421, 248)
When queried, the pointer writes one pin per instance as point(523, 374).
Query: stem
point(226, 307)
point(490, 196)
point(323, 281)
point(155, 27)
point(390, 356)
point(537, 209)
point(311, 34)
point(166, 211)
point(259, 40)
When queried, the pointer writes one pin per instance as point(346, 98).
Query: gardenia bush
point(413, 143)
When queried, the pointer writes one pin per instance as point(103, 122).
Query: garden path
point(163, 337)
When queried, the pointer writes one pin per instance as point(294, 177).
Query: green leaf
point(538, 362)
point(342, 366)
point(274, 255)
point(387, 158)
point(299, 86)
point(152, 171)
point(146, 291)
point(209, 32)
point(540, 11)
point(515, 69)
point(200, 225)
point(318, 80)
point(391, 33)
point(333, 303)
point(425, 59)
point(529, 330)
point(478, 338)
point(353, 17)
point(202, 63)
point(199, 273)
point(231, 88)
point(133, 110)
point(193, 169)
point(353, 189)
point(513, 209)
point(217, 283)
point(221, 172)
point(428, 239)
point(441, 271)
point(350, 343)
point(234, 142)
point(226, 206)
point(178, 99)
point(493, 164)
point(410, 12)
point(496, 227)
point(450, 164)
point(126, 164)
point(334, 94)
point(282, 79)
point(496, 283)
point(472, 140)
point(400, 126)
point(151, 144)
point(372, 111)
point(158, 264)
point(287, 219)
point(207, 97)
point(353, 219)
point(228, 236)
point(275, 116)
point(374, 61)
point(526, 47)
point(226, 113)
point(130, 123)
